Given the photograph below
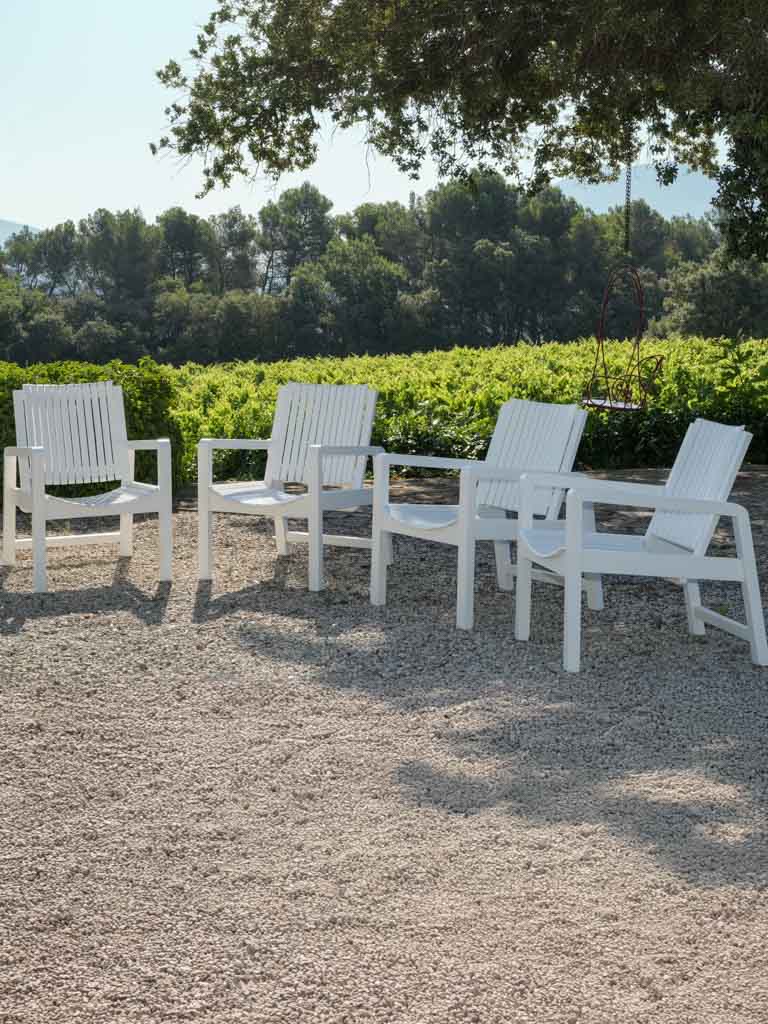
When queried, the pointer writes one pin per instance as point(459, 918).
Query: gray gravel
point(245, 802)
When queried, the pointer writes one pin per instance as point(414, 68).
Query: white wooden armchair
point(528, 435)
point(76, 434)
point(686, 511)
point(320, 438)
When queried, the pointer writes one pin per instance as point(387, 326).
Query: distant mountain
point(692, 193)
point(9, 227)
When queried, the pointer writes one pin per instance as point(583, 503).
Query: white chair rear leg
point(380, 542)
point(126, 535)
point(281, 535)
point(505, 573)
point(572, 623)
point(465, 584)
point(389, 551)
point(692, 594)
point(9, 530)
point(593, 585)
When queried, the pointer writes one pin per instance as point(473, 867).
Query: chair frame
point(26, 468)
point(661, 559)
point(311, 505)
point(474, 522)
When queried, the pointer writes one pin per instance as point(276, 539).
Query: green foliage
point(433, 403)
point(570, 86)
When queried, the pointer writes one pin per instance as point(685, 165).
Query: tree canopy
point(575, 86)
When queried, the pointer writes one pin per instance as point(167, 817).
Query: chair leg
point(204, 536)
point(381, 542)
point(389, 550)
point(572, 623)
point(692, 595)
point(753, 607)
point(315, 529)
point(465, 584)
point(126, 535)
point(505, 573)
point(281, 538)
point(593, 584)
point(523, 597)
point(9, 530)
point(39, 561)
point(165, 529)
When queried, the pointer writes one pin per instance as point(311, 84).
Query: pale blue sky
point(80, 103)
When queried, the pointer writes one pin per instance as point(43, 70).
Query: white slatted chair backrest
point(81, 426)
point(332, 414)
point(705, 467)
point(534, 436)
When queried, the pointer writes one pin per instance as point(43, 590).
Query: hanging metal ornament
point(628, 390)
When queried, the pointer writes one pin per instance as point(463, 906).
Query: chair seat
point(254, 494)
point(123, 499)
point(424, 517)
point(549, 541)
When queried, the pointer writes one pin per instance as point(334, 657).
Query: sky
point(80, 104)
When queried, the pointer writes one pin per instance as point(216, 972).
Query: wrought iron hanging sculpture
point(626, 391)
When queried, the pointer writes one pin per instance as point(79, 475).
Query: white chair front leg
point(204, 515)
point(9, 511)
point(381, 542)
point(574, 537)
point(39, 558)
point(165, 523)
point(750, 590)
point(315, 519)
point(465, 568)
point(126, 520)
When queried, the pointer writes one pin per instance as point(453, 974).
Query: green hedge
point(442, 403)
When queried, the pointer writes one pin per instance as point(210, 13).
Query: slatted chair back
point(81, 426)
point(535, 436)
point(706, 466)
point(331, 414)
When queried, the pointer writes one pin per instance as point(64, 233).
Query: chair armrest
point(162, 446)
point(345, 449)
point(609, 492)
point(317, 452)
point(662, 502)
point(148, 446)
point(36, 456)
point(35, 451)
point(424, 461)
point(233, 443)
point(382, 464)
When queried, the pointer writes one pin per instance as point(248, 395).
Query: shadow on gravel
point(678, 763)
point(18, 608)
point(672, 758)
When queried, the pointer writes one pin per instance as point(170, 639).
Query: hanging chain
point(627, 208)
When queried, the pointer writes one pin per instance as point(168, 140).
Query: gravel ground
point(248, 803)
